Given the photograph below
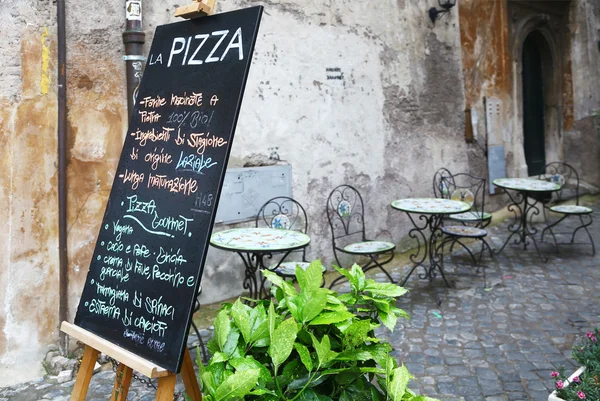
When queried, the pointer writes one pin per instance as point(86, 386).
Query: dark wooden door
point(533, 108)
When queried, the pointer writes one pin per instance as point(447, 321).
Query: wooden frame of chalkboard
point(149, 256)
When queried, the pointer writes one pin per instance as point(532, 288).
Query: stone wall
point(582, 139)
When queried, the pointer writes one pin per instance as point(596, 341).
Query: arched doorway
point(536, 81)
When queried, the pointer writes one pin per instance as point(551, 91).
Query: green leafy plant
point(308, 344)
point(587, 385)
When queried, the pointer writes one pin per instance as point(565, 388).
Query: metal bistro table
point(524, 209)
point(254, 245)
point(431, 212)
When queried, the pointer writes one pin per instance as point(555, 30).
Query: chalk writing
point(133, 177)
point(153, 101)
point(187, 186)
point(184, 45)
point(156, 159)
point(152, 135)
point(195, 99)
point(115, 294)
point(101, 308)
point(120, 229)
point(194, 163)
point(200, 141)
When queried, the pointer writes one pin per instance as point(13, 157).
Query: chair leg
point(201, 343)
point(585, 225)
point(549, 228)
point(377, 264)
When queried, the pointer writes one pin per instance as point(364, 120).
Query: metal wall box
point(246, 189)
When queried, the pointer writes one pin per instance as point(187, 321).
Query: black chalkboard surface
point(150, 252)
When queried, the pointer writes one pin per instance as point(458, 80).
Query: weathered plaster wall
point(28, 257)
point(583, 136)
point(487, 70)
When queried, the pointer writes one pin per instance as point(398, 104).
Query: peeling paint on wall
point(45, 79)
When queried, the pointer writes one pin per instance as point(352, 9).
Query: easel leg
point(86, 370)
point(189, 378)
point(122, 383)
point(166, 388)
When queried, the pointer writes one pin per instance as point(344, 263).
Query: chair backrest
point(566, 176)
point(283, 212)
point(345, 212)
point(466, 188)
point(440, 180)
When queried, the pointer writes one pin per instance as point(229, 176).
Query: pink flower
point(554, 374)
point(594, 339)
point(560, 385)
point(581, 394)
point(590, 334)
point(576, 379)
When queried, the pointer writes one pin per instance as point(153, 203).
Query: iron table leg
point(522, 226)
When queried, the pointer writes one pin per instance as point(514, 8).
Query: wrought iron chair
point(200, 340)
point(285, 213)
point(566, 176)
point(345, 213)
point(467, 225)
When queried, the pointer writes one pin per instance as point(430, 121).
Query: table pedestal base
point(522, 227)
point(431, 259)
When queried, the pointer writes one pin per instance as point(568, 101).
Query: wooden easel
point(199, 8)
point(128, 362)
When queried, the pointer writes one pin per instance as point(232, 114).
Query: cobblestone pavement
point(497, 342)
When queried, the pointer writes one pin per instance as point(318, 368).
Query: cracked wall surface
point(360, 93)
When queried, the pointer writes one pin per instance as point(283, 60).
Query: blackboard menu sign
point(150, 252)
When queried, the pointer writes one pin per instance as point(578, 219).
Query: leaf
point(304, 356)
point(241, 317)
point(347, 376)
point(208, 383)
point(237, 385)
point(259, 331)
point(311, 395)
point(323, 349)
point(355, 355)
point(304, 381)
point(282, 341)
point(360, 390)
point(230, 346)
point(311, 278)
point(272, 319)
point(287, 288)
point(249, 363)
point(384, 289)
point(388, 319)
point(357, 333)
point(359, 276)
point(219, 357)
point(397, 386)
point(222, 328)
point(352, 279)
point(314, 303)
point(331, 318)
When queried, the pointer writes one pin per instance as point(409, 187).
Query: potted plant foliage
point(584, 384)
point(308, 344)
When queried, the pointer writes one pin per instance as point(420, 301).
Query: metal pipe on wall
point(133, 38)
point(62, 170)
